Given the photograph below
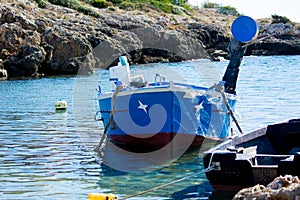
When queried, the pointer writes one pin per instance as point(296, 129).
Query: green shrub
point(116, 1)
point(186, 6)
point(208, 4)
point(99, 3)
point(110, 4)
point(74, 4)
point(140, 6)
point(165, 7)
point(41, 3)
point(228, 10)
point(280, 19)
point(111, 8)
point(125, 5)
point(162, 5)
point(88, 11)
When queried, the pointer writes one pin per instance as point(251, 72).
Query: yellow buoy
point(101, 196)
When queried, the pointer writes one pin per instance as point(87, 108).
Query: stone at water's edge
point(26, 62)
point(3, 72)
point(286, 187)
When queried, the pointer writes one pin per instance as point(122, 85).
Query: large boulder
point(277, 29)
point(66, 45)
point(276, 39)
point(26, 62)
point(9, 15)
point(160, 45)
point(123, 43)
point(213, 38)
point(12, 36)
point(183, 44)
point(79, 65)
point(280, 45)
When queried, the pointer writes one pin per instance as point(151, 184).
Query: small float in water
point(61, 105)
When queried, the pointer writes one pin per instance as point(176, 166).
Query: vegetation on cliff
point(55, 37)
point(227, 10)
point(86, 6)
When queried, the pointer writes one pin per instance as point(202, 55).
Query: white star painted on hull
point(142, 106)
point(198, 107)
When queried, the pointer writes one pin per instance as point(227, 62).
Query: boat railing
point(184, 85)
point(272, 155)
point(159, 79)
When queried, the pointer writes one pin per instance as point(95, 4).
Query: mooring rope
point(112, 112)
point(167, 184)
point(220, 89)
point(230, 111)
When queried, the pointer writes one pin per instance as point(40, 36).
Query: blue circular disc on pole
point(244, 29)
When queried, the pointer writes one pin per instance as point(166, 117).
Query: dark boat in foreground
point(256, 157)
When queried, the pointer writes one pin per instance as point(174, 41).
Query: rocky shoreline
point(55, 40)
point(282, 187)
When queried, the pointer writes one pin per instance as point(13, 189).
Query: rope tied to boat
point(111, 116)
point(170, 183)
point(218, 87)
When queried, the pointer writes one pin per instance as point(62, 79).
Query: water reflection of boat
point(126, 161)
point(143, 179)
point(255, 157)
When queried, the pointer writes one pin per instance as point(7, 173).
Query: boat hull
point(255, 158)
point(149, 119)
point(176, 141)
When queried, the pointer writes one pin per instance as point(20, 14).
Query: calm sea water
point(48, 154)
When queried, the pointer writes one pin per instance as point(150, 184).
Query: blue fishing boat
point(142, 116)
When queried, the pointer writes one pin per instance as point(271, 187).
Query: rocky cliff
point(60, 41)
